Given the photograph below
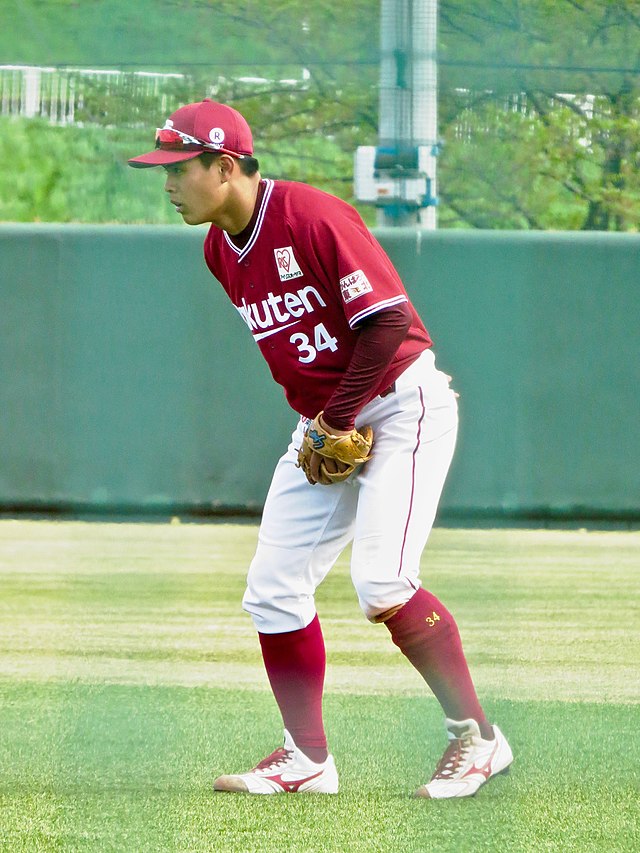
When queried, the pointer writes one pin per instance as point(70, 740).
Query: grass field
point(130, 678)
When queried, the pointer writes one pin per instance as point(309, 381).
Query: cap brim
point(160, 157)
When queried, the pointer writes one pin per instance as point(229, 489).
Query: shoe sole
point(233, 784)
point(422, 792)
point(236, 785)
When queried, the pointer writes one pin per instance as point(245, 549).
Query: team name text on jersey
point(277, 309)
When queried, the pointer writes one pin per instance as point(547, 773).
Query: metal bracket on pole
point(398, 175)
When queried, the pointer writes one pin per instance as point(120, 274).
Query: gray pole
point(408, 105)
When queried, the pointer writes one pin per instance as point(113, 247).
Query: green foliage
point(80, 174)
point(558, 162)
point(517, 152)
point(529, 156)
point(170, 34)
point(74, 174)
point(554, 45)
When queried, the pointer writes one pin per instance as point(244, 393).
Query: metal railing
point(59, 94)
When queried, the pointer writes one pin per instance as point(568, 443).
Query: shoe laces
point(453, 757)
point(278, 756)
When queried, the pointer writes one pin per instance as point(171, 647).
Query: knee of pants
point(279, 595)
point(376, 596)
point(380, 578)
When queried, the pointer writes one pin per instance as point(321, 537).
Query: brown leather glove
point(340, 454)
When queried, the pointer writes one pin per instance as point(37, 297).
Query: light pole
point(399, 174)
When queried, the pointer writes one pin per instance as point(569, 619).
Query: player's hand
point(328, 428)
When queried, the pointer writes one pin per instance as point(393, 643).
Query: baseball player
point(367, 460)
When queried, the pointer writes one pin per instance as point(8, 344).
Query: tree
point(539, 100)
point(561, 149)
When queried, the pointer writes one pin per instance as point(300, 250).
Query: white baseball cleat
point(285, 771)
point(468, 762)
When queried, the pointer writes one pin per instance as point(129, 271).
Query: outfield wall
point(129, 382)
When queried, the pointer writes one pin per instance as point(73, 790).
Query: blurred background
point(538, 101)
point(492, 145)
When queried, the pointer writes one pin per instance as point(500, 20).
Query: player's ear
point(225, 166)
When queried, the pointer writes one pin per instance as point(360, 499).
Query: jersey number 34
point(321, 340)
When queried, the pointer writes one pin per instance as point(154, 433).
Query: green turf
point(129, 677)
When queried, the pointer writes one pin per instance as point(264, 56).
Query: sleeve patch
point(353, 285)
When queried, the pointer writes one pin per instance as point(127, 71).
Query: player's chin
point(190, 218)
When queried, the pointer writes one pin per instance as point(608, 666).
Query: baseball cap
point(195, 128)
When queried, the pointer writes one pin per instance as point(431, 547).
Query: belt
point(390, 390)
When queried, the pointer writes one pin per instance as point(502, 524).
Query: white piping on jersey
point(241, 253)
point(262, 335)
point(379, 306)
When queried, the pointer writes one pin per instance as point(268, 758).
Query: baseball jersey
point(309, 273)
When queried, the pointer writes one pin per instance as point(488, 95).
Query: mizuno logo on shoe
point(292, 786)
point(486, 768)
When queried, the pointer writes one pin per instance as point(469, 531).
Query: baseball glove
point(347, 452)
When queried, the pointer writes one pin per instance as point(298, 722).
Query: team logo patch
point(216, 135)
point(287, 264)
point(354, 285)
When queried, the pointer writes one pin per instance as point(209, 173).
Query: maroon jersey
point(308, 274)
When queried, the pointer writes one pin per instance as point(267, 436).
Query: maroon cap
point(191, 130)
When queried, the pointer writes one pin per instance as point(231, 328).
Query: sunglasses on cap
point(170, 139)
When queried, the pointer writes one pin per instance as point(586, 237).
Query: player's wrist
point(328, 426)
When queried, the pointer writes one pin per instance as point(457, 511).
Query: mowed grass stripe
point(129, 677)
point(130, 768)
point(543, 614)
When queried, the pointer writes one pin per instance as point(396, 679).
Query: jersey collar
point(242, 253)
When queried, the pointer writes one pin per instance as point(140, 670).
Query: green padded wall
point(540, 331)
point(129, 382)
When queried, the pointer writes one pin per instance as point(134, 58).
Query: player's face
point(199, 194)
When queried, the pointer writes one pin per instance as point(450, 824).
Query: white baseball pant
point(386, 509)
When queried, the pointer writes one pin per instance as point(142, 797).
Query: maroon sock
point(295, 664)
point(426, 633)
